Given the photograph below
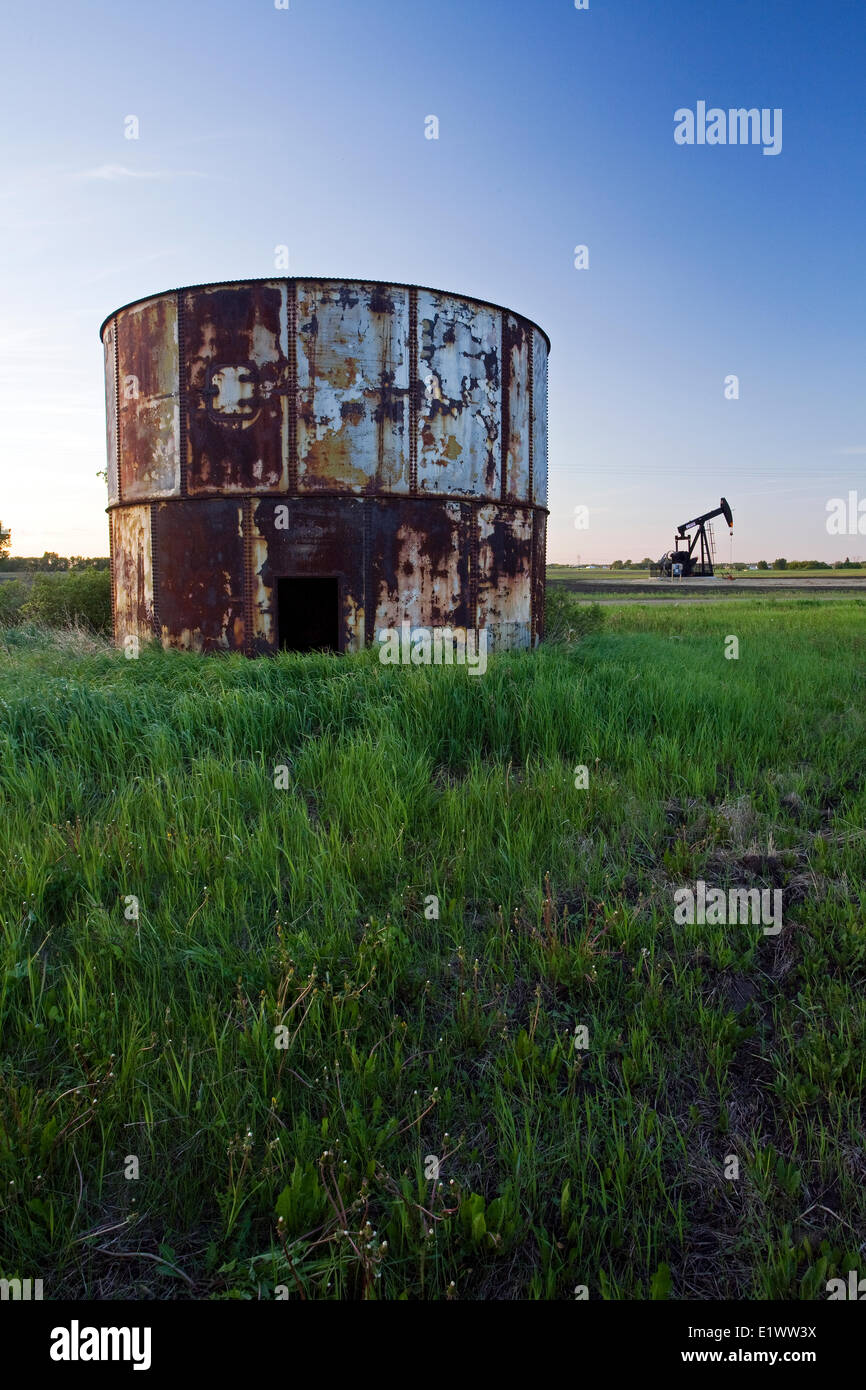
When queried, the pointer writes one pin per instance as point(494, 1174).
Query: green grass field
point(149, 1043)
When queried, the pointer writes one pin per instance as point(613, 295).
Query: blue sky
point(305, 127)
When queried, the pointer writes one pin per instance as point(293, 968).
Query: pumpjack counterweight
point(693, 548)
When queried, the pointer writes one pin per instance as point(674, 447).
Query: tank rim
point(321, 280)
point(315, 497)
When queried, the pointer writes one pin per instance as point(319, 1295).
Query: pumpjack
point(684, 552)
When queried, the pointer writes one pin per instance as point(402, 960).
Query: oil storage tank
point(299, 463)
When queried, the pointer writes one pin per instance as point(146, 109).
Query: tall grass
point(198, 852)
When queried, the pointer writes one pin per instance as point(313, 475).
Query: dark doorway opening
point(308, 614)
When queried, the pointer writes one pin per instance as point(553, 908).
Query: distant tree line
point(51, 563)
point(783, 564)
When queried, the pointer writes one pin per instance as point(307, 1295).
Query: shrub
point(83, 596)
point(565, 619)
point(12, 596)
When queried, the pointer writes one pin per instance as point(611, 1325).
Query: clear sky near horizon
point(305, 127)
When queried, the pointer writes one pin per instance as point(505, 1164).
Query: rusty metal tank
point(299, 463)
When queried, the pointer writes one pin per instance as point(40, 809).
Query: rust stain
point(133, 574)
point(353, 388)
point(539, 423)
point(237, 374)
point(459, 417)
point(147, 401)
point(109, 341)
point(505, 573)
point(333, 461)
point(516, 340)
point(420, 570)
point(200, 566)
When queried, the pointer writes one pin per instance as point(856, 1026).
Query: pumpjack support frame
point(694, 552)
